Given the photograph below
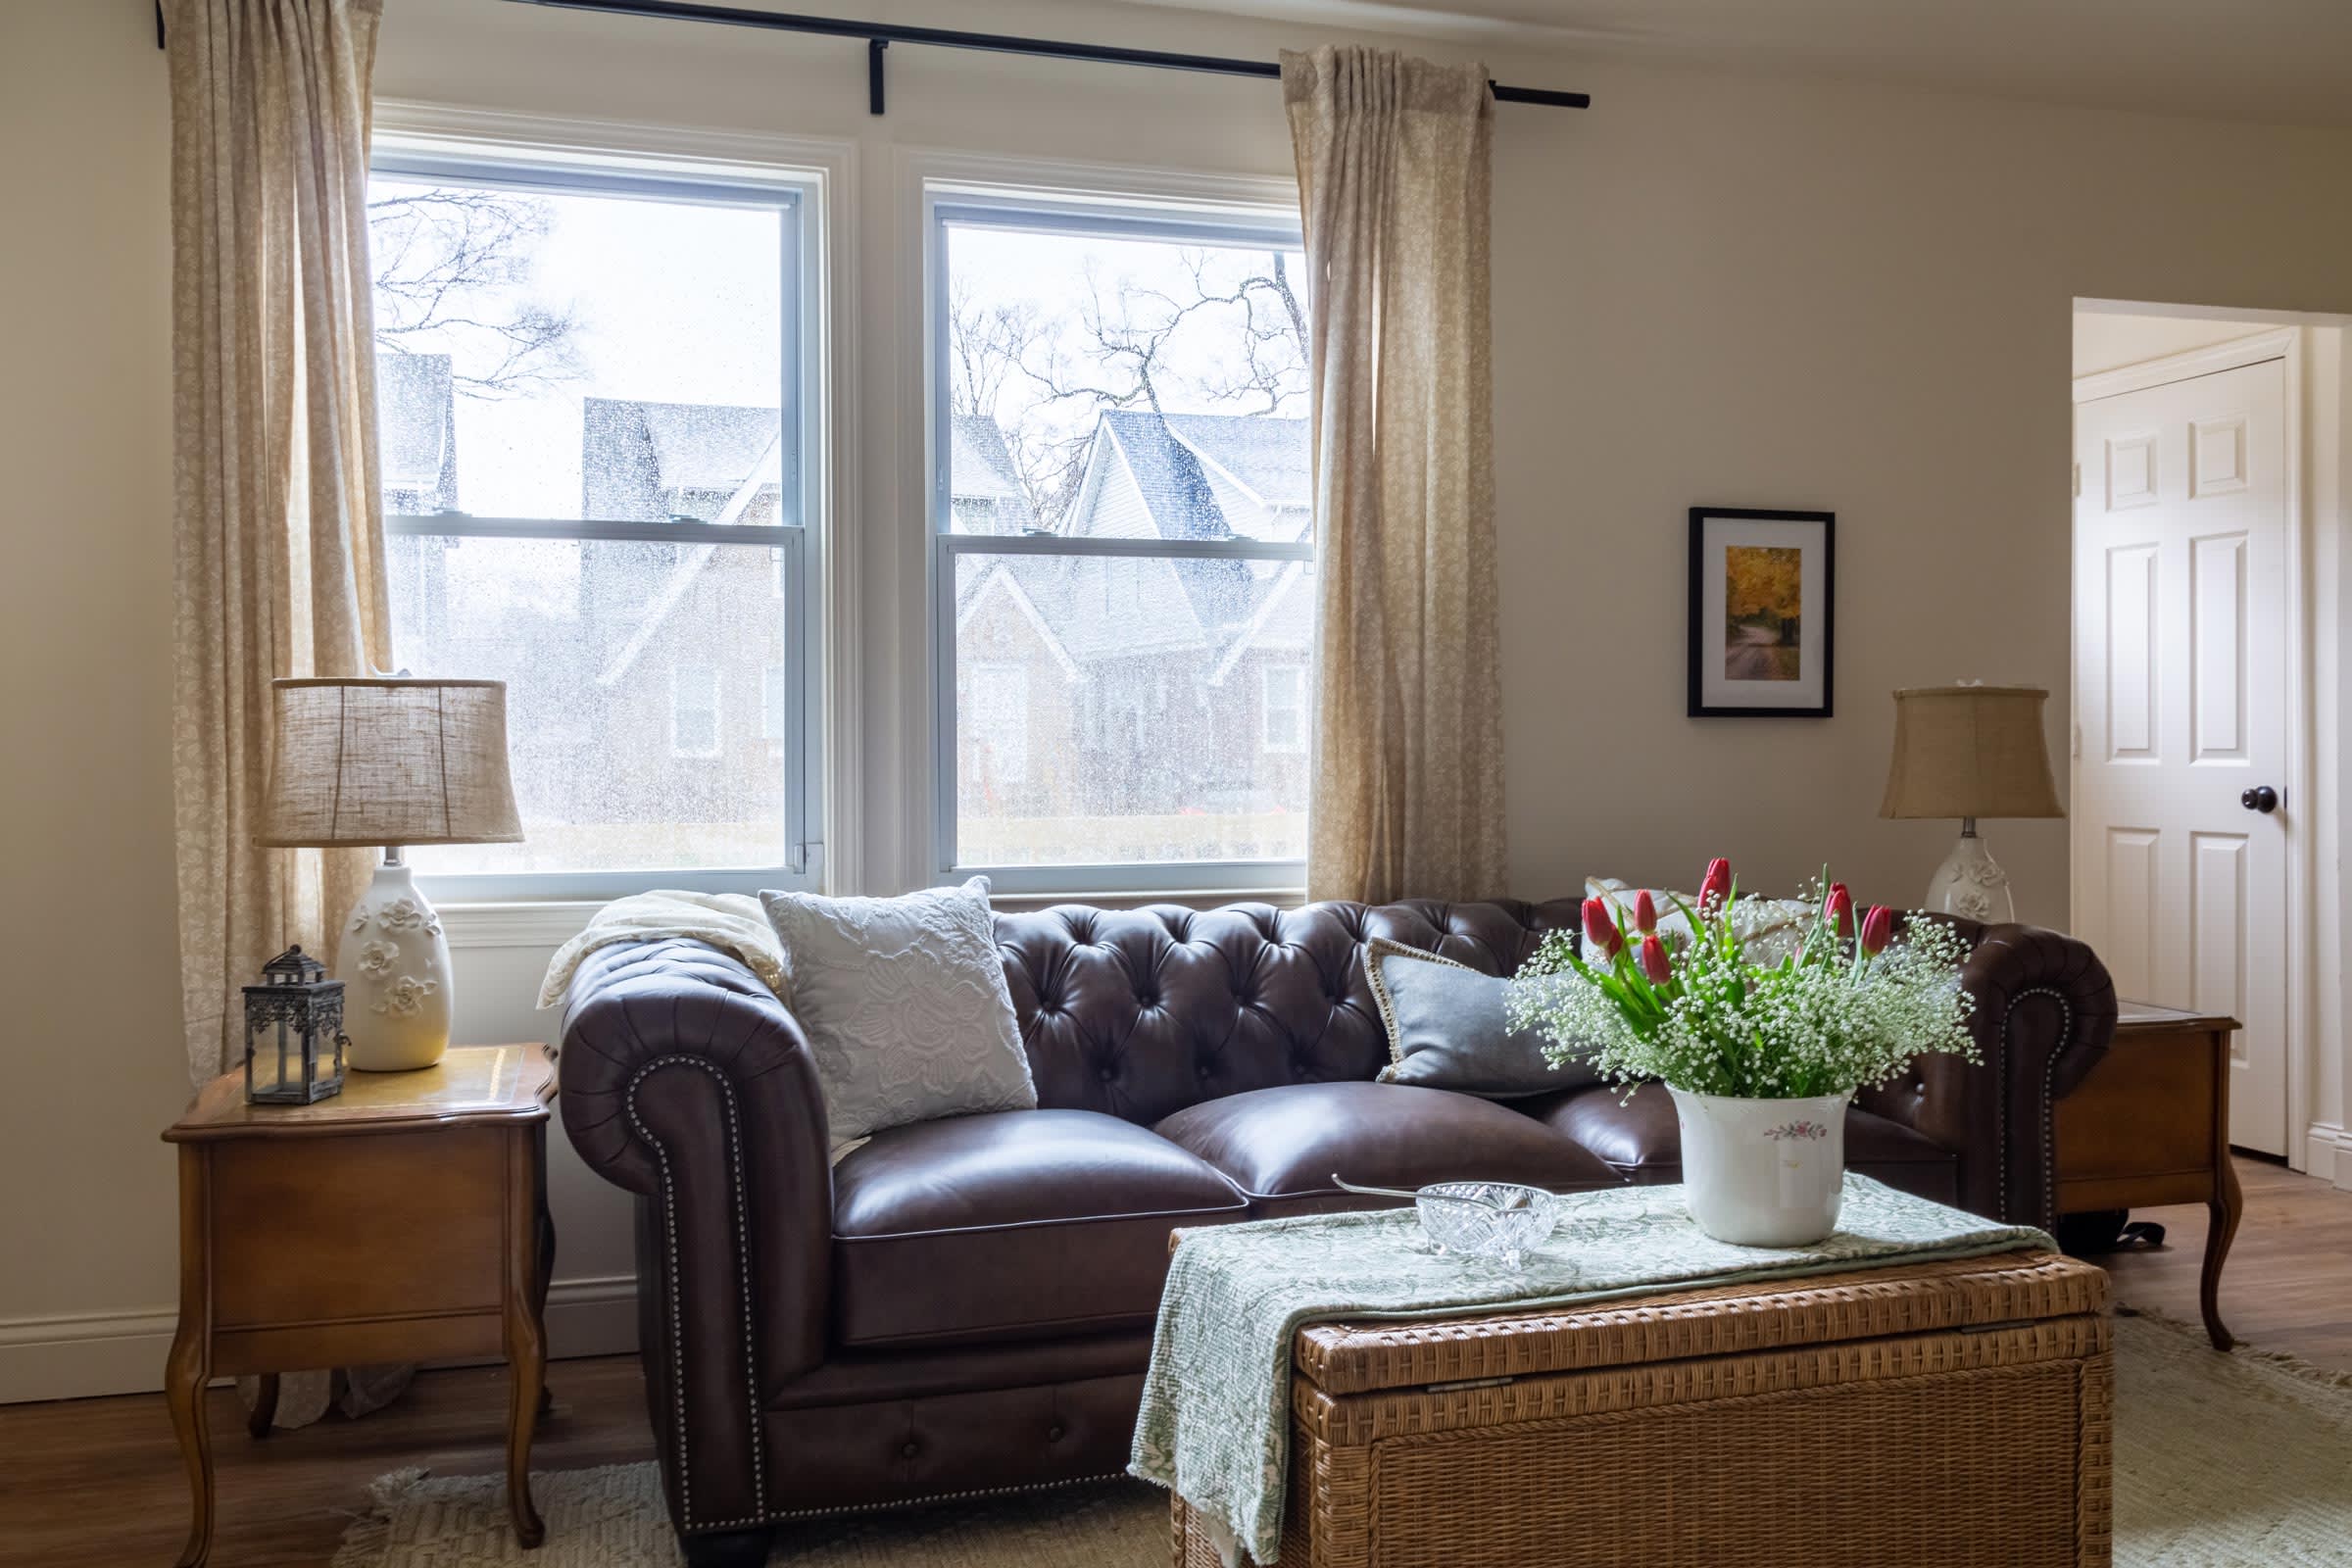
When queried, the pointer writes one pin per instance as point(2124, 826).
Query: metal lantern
point(293, 1032)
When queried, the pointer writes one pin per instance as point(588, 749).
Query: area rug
point(2220, 1461)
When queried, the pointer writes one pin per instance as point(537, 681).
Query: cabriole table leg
point(2227, 1204)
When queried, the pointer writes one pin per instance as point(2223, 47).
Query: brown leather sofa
point(965, 1306)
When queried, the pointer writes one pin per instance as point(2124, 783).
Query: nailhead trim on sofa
point(743, 1251)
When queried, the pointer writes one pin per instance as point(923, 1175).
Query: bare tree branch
point(446, 261)
point(1031, 376)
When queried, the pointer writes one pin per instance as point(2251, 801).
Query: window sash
point(1113, 877)
point(950, 205)
point(800, 391)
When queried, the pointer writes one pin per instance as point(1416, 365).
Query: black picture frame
point(1708, 636)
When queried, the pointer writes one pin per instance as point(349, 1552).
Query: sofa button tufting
point(1053, 1433)
point(1107, 1074)
point(909, 1448)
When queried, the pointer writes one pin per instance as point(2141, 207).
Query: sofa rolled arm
point(2044, 1014)
point(685, 1081)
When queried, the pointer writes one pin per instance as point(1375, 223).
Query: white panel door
point(2181, 539)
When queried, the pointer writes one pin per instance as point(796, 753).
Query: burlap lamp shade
point(1970, 752)
point(389, 760)
point(392, 762)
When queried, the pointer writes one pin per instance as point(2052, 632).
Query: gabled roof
point(981, 468)
point(700, 446)
point(634, 455)
point(1268, 456)
point(1006, 575)
point(1167, 472)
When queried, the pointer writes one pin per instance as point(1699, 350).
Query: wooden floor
point(2288, 1282)
point(97, 1483)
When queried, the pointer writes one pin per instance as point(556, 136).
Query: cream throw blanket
point(733, 922)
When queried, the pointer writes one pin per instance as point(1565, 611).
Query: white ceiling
point(2272, 60)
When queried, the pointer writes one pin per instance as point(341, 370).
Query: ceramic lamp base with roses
point(394, 963)
point(387, 761)
point(1761, 1053)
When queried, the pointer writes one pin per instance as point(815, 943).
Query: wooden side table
point(403, 1220)
point(2151, 1125)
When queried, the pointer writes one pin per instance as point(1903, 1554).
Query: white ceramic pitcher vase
point(1763, 1173)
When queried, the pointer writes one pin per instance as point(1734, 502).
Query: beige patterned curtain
point(1394, 159)
point(277, 511)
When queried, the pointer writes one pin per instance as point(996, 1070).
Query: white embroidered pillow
point(905, 1005)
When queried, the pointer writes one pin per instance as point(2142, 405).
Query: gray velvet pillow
point(1446, 1029)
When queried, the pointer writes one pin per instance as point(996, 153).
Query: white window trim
point(929, 182)
point(822, 773)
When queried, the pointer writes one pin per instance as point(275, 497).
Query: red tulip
point(1841, 909)
point(1653, 960)
point(1645, 913)
point(1716, 890)
point(1599, 930)
point(1878, 929)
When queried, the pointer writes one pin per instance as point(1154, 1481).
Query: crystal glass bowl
point(1498, 1221)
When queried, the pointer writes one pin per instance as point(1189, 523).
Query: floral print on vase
point(403, 996)
point(407, 914)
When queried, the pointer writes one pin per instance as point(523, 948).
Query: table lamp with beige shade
point(1970, 752)
point(393, 762)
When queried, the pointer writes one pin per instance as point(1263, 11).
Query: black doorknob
point(2260, 798)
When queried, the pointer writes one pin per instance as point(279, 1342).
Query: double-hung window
point(1122, 578)
point(596, 423)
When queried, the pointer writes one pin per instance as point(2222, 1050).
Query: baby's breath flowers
point(1849, 1007)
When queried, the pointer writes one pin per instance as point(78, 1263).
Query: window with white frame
point(1282, 707)
point(1122, 516)
point(595, 428)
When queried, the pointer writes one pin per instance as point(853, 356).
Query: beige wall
point(90, 1060)
point(1711, 288)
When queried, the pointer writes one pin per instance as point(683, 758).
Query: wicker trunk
point(1936, 1414)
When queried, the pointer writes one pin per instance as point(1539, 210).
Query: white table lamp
point(390, 762)
point(1970, 752)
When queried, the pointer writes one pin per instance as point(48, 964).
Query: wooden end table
point(2151, 1125)
point(404, 1219)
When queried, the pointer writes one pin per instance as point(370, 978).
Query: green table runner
point(1215, 1418)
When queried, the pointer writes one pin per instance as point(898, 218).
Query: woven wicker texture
point(2220, 1461)
point(1957, 1413)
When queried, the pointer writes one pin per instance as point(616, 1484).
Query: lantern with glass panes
point(293, 1032)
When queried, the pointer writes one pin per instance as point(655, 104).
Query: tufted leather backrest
point(1142, 1013)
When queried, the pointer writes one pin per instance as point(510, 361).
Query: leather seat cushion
point(1010, 1225)
point(1282, 1145)
point(1642, 1140)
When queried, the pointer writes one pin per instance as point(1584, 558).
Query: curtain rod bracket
point(874, 75)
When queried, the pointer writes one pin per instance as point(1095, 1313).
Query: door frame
point(2277, 343)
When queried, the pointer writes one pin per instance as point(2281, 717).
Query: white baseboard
point(82, 1354)
point(595, 1316)
point(2329, 1154)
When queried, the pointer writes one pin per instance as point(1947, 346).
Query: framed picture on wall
point(1762, 599)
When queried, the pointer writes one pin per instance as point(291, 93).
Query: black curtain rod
point(880, 36)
